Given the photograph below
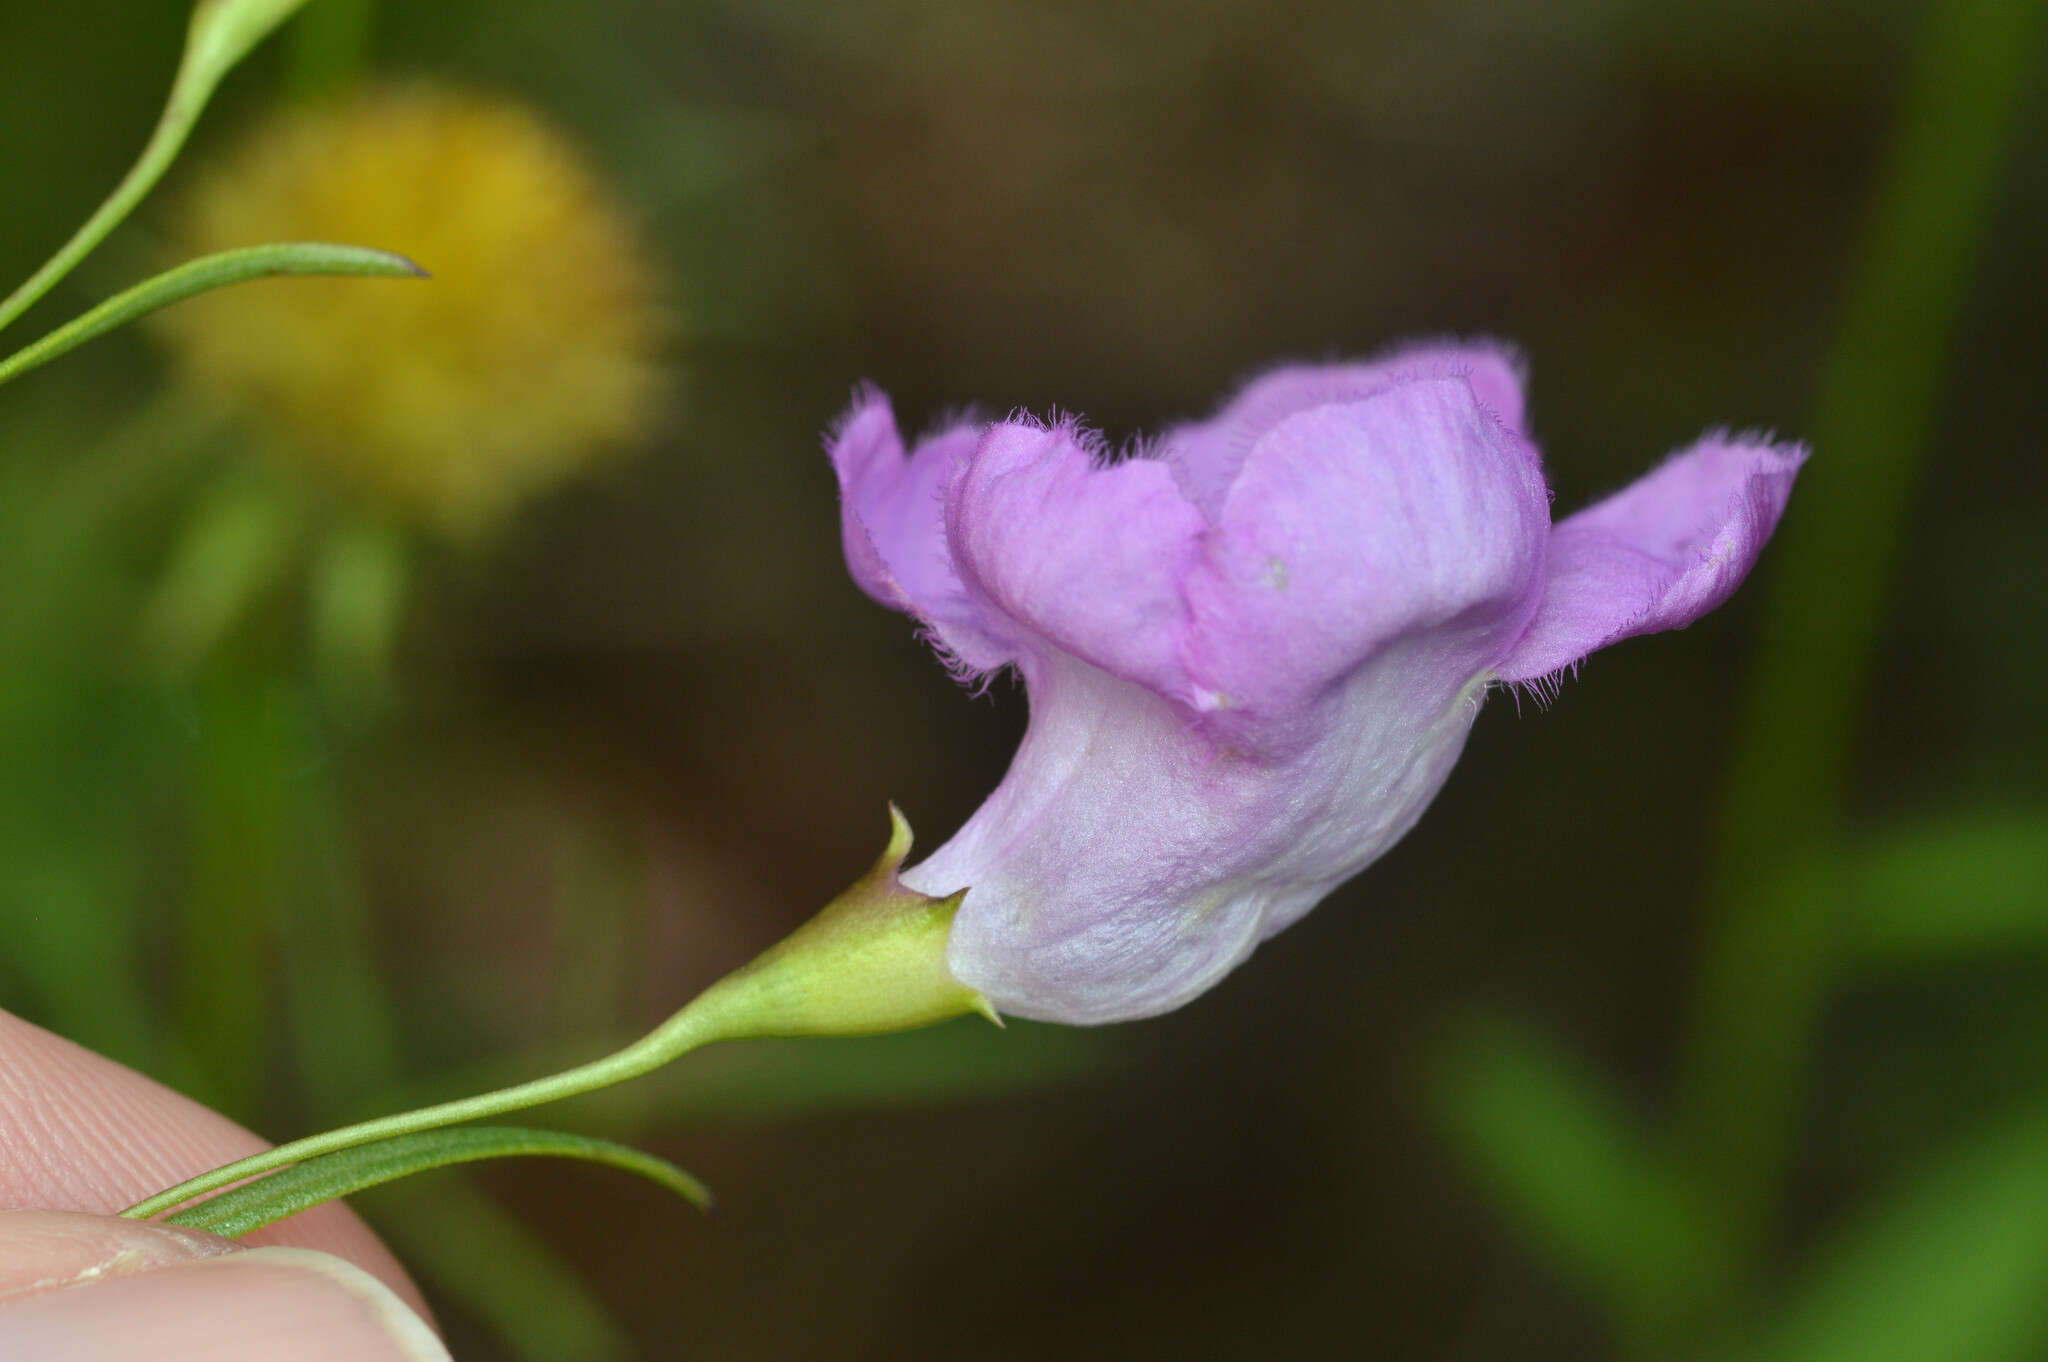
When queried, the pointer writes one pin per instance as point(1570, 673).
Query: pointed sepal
point(872, 960)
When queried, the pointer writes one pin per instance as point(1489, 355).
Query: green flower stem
point(676, 1037)
point(220, 35)
point(873, 960)
point(204, 275)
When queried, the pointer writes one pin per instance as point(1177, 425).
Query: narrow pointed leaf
point(1952, 1263)
point(220, 35)
point(330, 1177)
point(1973, 886)
point(202, 276)
point(1572, 1168)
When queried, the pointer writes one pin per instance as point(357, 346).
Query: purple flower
point(1253, 651)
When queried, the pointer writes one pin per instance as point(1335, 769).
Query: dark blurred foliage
point(653, 727)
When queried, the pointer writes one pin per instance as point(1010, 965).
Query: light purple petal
point(1411, 516)
point(892, 523)
point(1658, 554)
point(1125, 864)
point(1169, 809)
point(1206, 455)
point(1253, 660)
point(1083, 557)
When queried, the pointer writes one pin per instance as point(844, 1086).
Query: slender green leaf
point(1953, 1264)
point(1755, 1005)
point(204, 275)
point(330, 1177)
point(221, 33)
point(1962, 887)
point(1569, 1165)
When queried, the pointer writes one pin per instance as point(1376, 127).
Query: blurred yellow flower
point(530, 351)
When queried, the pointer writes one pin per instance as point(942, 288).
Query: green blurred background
point(1706, 1014)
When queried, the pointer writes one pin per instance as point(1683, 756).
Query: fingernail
point(45, 1250)
point(266, 1304)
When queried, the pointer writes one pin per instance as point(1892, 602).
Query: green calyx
point(872, 960)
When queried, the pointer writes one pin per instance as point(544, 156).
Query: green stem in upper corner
point(221, 33)
point(873, 960)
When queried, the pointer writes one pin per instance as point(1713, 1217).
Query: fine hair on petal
point(1542, 691)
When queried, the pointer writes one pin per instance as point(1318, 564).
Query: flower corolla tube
point(1254, 648)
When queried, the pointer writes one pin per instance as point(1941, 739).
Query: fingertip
point(50, 1250)
point(267, 1303)
point(80, 1133)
